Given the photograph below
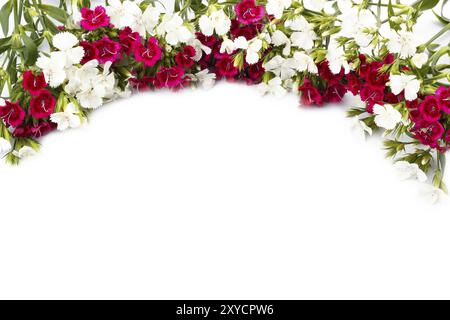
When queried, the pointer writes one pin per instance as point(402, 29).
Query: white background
point(217, 194)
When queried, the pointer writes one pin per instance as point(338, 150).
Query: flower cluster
point(321, 50)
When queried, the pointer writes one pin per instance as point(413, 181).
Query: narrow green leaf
point(5, 12)
point(54, 12)
point(425, 4)
point(30, 49)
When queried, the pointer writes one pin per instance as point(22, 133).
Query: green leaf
point(54, 12)
point(30, 50)
point(426, 4)
point(5, 12)
point(441, 19)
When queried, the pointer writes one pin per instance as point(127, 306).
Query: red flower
point(12, 113)
point(94, 19)
point(184, 58)
point(37, 130)
point(33, 84)
point(430, 109)
point(108, 50)
point(140, 84)
point(149, 55)
point(443, 95)
point(371, 97)
point(129, 40)
point(374, 78)
point(225, 66)
point(90, 52)
point(413, 109)
point(209, 41)
point(310, 94)
point(248, 32)
point(42, 105)
point(255, 71)
point(428, 132)
point(334, 93)
point(247, 12)
point(353, 83)
point(169, 77)
point(326, 74)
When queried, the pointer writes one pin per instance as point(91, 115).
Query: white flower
point(274, 87)
point(386, 116)
point(81, 78)
point(409, 83)
point(402, 42)
point(205, 79)
point(304, 34)
point(281, 67)
point(173, 29)
point(407, 170)
point(65, 42)
point(217, 21)
point(355, 22)
point(360, 128)
point(253, 49)
point(315, 5)
point(431, 194)
point(53, 68)
point(276, 7)
point(24, 152)
point(280, 39)
point(133, 18)
point(107, 81)
point(227, 46)
point(304, 63)
point(419, 59)
point(116, 12)
point(92, 98)
point(67, 119)
point(150, 18)
point(5, 146)
point(199, 48)
point(336, 58)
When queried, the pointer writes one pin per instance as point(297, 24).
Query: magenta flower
point(443, 95)
point(12, 113)
point(94, 19)
point(129, 40)
point(310, 94)
point(184, 58)
point(248, 12)
point(225, 66)
point(428, 132)
point(42, 105)
point(108, 50)
point(150, 54)
point(430, 109)
point(33, 84)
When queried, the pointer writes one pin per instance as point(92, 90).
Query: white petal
point(64, 40)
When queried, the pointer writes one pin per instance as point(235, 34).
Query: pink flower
point(149, 55)
point(443, 95)
point(169, 77)
point(430, 109)
point(428, 132)
point(129, 40)
point(94, 19)
point(42, 105)
point(90, 52)
point(247, 12)
point(225, 66)
point(108, 50)
point(310, 95)
point(184, 58)
point(33, 84)
point(12, 113)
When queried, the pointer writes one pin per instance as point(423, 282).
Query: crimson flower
point(247, 12)
point(443, 95)
point(428, 132)
point(413, 110)
point(184, 58)
point(150, 54)
point(94, 19)
point(108, 50)
point(169, 77)
point(129, 40)
point(32, 83)
point(90, 52)
point(430, 109)
point(12, 113)
point(310, 95)
point(225, 66)
point(334, 93)
point(42, 105)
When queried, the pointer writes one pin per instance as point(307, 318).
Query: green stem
point(437, 35)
